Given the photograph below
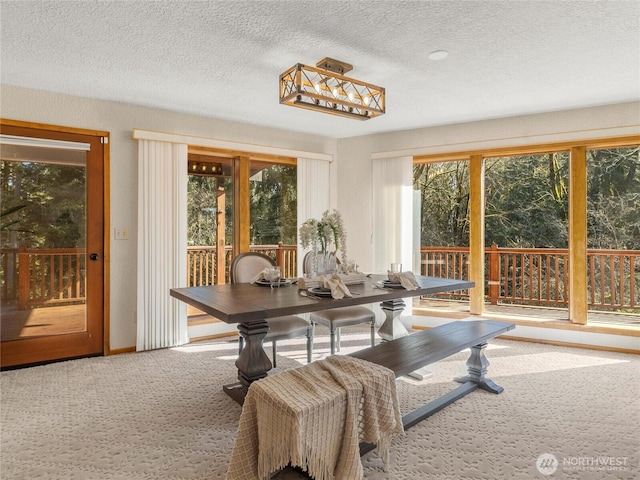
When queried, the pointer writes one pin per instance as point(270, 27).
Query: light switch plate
point(120, 233)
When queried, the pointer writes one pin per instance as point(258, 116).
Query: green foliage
point(527, 203)
point(8, 224)
point(274, 206)
point(202, 207)
point(614, 198)
point(444, 202)
point(53, 197)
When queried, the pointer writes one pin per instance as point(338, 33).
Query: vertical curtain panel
point(162, 244)
point(393, 203)
point(313, 193)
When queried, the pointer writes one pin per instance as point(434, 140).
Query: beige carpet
point(163, 415)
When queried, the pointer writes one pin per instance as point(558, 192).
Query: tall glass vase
point(326, 263)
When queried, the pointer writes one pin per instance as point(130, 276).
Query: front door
point(52, 244)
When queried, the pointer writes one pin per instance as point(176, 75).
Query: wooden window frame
point(241, 173)
point(578, 301)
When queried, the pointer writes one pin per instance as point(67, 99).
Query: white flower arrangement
point(320, 235)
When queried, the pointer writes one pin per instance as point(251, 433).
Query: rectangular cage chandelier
point(324, 88)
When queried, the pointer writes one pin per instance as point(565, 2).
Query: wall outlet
point(120, 233)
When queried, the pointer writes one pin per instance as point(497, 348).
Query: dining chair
point(336, 318)
point(244, 268)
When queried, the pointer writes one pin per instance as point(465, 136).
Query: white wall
point(120, 119)
point(351, 169)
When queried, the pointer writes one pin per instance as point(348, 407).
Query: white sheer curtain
point(162, 243)
point(393, 203)
point(313, 193)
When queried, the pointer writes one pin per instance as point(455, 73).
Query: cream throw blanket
point(315, 417)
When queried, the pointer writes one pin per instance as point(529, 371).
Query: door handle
point(94, 256)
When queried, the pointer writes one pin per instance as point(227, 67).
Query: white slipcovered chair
point(244, 268)
point(336, 318)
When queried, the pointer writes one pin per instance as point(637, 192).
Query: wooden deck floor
point(535, 315)
point(43, 321)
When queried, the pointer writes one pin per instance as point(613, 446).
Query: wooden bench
point(403, 356)
point(407, 354)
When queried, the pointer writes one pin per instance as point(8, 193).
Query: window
point(533, 222)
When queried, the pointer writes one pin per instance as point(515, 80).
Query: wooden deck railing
point(522, 276)
point(55, 276)
point(529, 276)
point(202, 263)
point(44, 277)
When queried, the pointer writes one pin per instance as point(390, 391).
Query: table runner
point(315, 417)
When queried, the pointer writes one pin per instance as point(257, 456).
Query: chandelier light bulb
point(366, 100)
point(351, 96)
point(317, 87)
point(335, 92)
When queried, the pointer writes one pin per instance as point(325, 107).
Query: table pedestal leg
point(253, 363)
point(392, 327)
point(477, 366)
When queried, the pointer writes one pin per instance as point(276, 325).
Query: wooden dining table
point(250, 306)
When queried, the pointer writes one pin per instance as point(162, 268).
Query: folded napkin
point(406, 279)
point(263, 275)
point(337, 286)
point(347, 279)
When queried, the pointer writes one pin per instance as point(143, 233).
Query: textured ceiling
point(222, 59)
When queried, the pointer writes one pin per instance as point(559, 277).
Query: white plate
point(267, 283)
point(322, 292)
point(388, 284)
